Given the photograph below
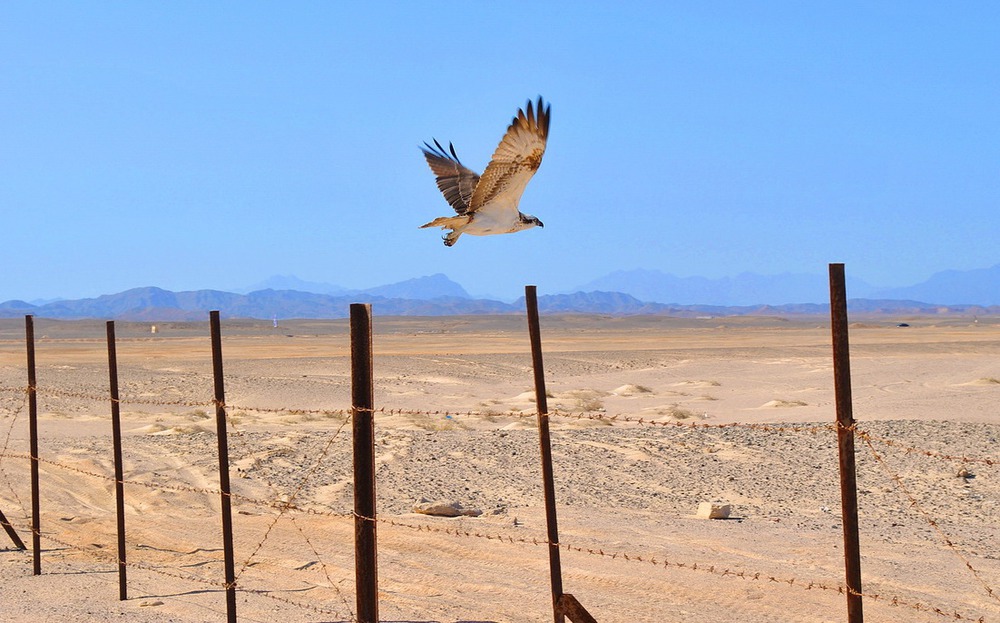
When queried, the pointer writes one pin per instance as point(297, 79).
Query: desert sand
point(640, 407)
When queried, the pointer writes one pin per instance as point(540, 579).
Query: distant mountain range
point(430, 287)
point(972, 287)
point(619, 293)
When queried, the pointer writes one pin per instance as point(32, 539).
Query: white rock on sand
point(442, 508)
point(713, 510)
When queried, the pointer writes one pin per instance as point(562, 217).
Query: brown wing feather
point(455, 182)
point(516, 158)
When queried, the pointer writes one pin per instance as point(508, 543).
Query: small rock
point(442, 508)
point(713, 510)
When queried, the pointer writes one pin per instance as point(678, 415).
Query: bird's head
point(530, 221)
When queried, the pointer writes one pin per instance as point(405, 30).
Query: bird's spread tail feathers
point(450, 222)
point(455, 223)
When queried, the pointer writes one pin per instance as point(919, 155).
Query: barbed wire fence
point(286, 502)
point(290, 504)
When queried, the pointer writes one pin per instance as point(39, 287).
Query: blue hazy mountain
point(432, 287)
point(291, 282)
point(618, 293)
point(741, 290)
point(950, 287)
point(970, 287)
point(429, 287)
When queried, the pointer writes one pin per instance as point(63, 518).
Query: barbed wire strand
point(867, 436)
point(15, 413)
point(618, 555)
point(282, 505)
point(112, 559)
point(894, 600)
point(323, 566)
point(602, 417)
point(519, 414)
point(286, 505)
point(276, 503)
point(914, 503)
point(666, 563)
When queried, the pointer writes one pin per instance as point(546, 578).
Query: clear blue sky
point(195, 145)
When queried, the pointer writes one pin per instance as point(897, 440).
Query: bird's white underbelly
point(488, 222)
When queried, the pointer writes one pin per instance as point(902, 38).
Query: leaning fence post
point(545, 442)
point(845, 441)
point(116, 438)
point(363, 419)
point(36, 525)
point(9, 529)
point(220, 422)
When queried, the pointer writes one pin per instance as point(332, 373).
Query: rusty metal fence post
point(116, 440)
point(564, 605)
point(9, 529)
point(220, 423)
point(36, 523)
point(545, 443)
point(845, 441)
point(363, 420)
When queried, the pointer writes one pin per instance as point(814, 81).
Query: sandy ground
point(627, 490)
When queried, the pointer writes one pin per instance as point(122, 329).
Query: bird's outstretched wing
point(455, 182)
point(515, 160)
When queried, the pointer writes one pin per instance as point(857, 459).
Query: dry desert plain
point(627, 490)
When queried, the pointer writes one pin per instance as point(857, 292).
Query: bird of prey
point(487, 204)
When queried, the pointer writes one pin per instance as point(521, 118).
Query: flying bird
point(487, 204)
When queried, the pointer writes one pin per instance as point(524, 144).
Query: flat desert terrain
point(651, 416)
